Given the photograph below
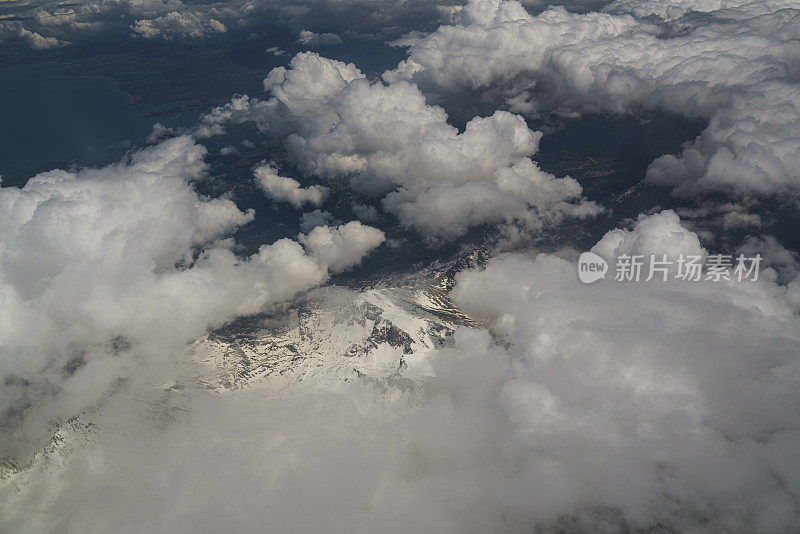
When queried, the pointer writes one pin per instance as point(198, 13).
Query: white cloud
point(37, 41)
point(615, 406)
point(274, 50)
point(657, 234)
point(733, 67)
point(390, 143)
point(312, 39)
point(342, 247)
point(628, 406)
point(129, 251)
point(178, 25)
point(45, 26)
point(159, 132)
point(171, 19)
point(675, 9)
point(240, 109)
point(288, 190)
point(674, 403)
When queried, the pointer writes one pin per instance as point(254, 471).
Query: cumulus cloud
point(616, 406)
point(47, 24)
point(676, 9)
point(342, 247)
point(734, 67)
point(392, 145)
point(239, 110)
point(159, 132)
point(312, 39)
point(657, 234)
point(14, 30)
point(285, 189)
point(638, 397)
point(106, 272)
point(611, 407)
point(322, 20)
point(177, 25)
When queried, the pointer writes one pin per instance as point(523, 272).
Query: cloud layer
point(611, 407)
point(391, 144)
point(567, 417)
point(177, 25)
point(734, 66)
point(104, 272)
point(48, 24)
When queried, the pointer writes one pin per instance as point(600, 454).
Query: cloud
point(274, 50)
point(312, 219)
point(159, 132)
point(174, 19)
point(714, 67)
point(391, 144)
point(177, 25)
point(616, 406)
point(373, 19)
point(637, 397)
point(612, 407)
point(14, 30)
point(312, 39)
point(366, 212)
point(657, 234)
point(342, 247)
point(106, 274)
point(284, 189)
point(48, 25)
point(675, 10)
point(239, 110)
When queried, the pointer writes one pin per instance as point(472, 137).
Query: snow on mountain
point(332, 335)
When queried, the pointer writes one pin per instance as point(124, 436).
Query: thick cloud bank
point(734, 64)
point(390, 143)
point(613, 407)
point(105, 272)
point(673, 403)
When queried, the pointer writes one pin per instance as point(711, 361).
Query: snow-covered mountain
point(332, 335)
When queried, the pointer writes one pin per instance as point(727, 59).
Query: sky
point(280, 161)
